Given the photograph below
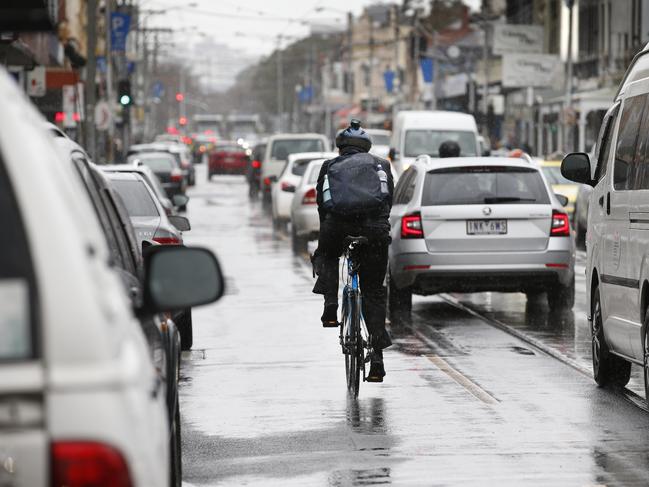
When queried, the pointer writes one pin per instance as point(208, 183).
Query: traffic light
point(182, 121)
point(180, 96)
point(124, 92)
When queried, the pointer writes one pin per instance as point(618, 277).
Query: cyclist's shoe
point(377, 372)
point(330, 315)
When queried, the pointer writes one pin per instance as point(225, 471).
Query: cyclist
point(354, 196)
point(449, 148)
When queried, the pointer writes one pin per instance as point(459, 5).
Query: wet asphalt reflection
point(263, 392)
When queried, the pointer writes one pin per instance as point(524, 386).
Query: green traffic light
point(125, 100)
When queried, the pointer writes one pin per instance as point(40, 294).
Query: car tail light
point(560, 224)
point(83, 464)
point(310, 197)
point(266, 181)
point(288, 187)
point(256, 164)
point(176, 175)
point(167, 240)
point(411, 226)
point(184, 164)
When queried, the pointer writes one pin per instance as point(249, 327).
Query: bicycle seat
point(355, 241)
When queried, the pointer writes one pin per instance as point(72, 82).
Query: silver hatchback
point(478, 224)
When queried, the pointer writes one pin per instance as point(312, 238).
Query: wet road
point(263, 393)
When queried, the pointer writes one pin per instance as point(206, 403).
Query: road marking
point(471, 387)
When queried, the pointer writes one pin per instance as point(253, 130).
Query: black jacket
point(382, 214)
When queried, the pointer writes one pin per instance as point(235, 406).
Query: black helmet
point(354, 136)
point(449, 148)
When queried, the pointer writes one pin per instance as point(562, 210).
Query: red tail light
point(560, 225)
point(176, 175)
point(83, 464)
point(411, 226)
point(310, 197)
point(256, 164)
point(167, 240)
point(266, 181)
point(288, 187)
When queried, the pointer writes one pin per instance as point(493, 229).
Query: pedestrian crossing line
point(472, 388)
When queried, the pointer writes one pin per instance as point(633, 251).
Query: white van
point(415, 133)
point(82, 399)
point(617, 238)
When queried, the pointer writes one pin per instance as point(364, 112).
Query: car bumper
point(306, 222)
point(282, 201)
point(173, 189)
point(477, 272)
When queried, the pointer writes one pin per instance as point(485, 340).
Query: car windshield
point(478, 185)
point(136, 197)
point(554, 176)
point(157, 163)
point(229, 148)
point(282, 148)
point(299, 166)
point(380, 139)
point(420, 142)
point(315, 172)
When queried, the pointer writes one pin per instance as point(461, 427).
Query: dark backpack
point(354, 185)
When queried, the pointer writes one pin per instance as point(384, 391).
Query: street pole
point(90, 88)
point(568, 98)
point(350, 57)
point(415, 75)
point(182, 107)
point(397, 79)
point(370, 105)
point(280, 95)
point(485, 66)
point(110, 100)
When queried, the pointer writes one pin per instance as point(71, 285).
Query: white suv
point(617, 240)
point(81, 399)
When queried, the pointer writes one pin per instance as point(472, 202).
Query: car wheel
point(185, 328)
point(608, 369)
point(299, 244)
point(175, 449)
point(560, 296)
point(399, 303)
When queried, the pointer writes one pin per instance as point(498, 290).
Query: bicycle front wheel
point(354, 355)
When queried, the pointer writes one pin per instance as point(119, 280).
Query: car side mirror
point(180, 277)
point(576, 167)
point(563, 200)
point(180, 200)
point(180, 222)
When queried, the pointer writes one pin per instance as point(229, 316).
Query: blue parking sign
point(120, 24)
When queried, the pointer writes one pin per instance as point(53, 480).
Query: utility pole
point(485, 63)
point(280, 94)
point(110, 100)
point(568, 98)
point(414, 94)
point(397, 78)
point(370, 105)
point(350, 57)
point(90, 95)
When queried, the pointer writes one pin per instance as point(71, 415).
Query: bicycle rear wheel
point(354, 355)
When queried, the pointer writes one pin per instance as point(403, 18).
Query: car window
point(230, 148)
point(641, 173)
point(403, 185)
point(160, 163)
point(299, 166)
point(380, 139)
point(282, 148)
point(315, 172)
point(136, 197)
point(18, 292)
point(606, 144)
point(627, 139)
point(554, 176)
point(479, 185)
point(420, 142)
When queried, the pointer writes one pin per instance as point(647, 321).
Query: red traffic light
point(182, 121)
point(180, 96)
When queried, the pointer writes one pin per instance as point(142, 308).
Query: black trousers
point(373, 264)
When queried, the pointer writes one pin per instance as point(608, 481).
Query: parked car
point(201, 147)
point(283, 188)
point(151, 224)
point(179, 151)
point(417, 133)
point(253, 175)
point(478, 224)
point(560, 185)
point(227, 157)
point(617, 277)
point(73, 352)
point(380, 142)
point(278, 148)
point(166, 168)
point(305, 220)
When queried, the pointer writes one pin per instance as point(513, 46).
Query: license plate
point(229, 159)
point(486, 227)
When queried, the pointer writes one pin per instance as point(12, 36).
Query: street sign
point(537, 70)
point(427, 69)
point(119, 27)
point(36, 81)
point(103, 116)
point(158, 89)
point(388, 77)
point(517, 39)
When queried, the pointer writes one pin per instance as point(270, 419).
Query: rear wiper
point(507, 199)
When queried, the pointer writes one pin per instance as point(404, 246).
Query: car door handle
point(601, 201)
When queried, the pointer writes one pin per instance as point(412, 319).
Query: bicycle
point(354, 337)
